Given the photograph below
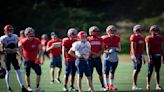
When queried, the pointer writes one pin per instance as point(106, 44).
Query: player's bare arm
point(163, 51)
point(40, 52)
point(147, 51)
point(133, 51)
point(71, 52)
point(64, 50)
point(49, 48)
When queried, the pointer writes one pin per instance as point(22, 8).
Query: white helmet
point(72, 31)
point(111, 28)
point(154, 28)
point(29, 30)
point(137, 28)
point(93, 29)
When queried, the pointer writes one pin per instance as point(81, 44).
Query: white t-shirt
point(9, 41)
point(81, 49)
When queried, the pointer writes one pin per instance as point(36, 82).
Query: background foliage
point(59, 15)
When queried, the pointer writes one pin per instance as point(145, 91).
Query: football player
point(136, 52)
point(54, 47)
point(70, 67)
point(9, 45)
point(82, 50)
point(97, 49)
point(112, 47)
point(154, 47)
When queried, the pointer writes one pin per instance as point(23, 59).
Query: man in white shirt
point(82, 50)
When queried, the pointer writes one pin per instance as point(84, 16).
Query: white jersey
point(81, 49)
point(9, 41)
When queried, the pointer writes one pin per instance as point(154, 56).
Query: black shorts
point(30, 64)
point(137, 65)
point(156, 63)
point(11, 59)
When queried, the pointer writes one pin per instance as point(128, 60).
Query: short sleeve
point(49, 43)
point(74, 46)
point(132, 38)
point(147, 39)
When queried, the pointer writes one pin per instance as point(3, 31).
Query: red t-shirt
point(155, 44)
point(67, 43)
point(139, 42)
point(56, 51)
point(30, 48)
point(44, 42)
point(111, 42)
point(96, 43)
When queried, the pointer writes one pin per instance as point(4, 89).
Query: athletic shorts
point(56, 61)
point(95, 62)
point(83, 67)
point(156, 63)
point(137, 66)
point(70, 68)
point(30, 64)
point(11, 59)
point(45, 53)
point(109, 67)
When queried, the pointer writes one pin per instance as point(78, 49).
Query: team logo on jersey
point(140, 42)
point(33, 46)
point(95, 43)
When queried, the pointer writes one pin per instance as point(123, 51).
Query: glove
point(110, 51)
point(133, 57)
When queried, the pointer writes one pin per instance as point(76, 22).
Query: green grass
point(122, 79)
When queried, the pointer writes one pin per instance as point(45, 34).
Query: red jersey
point(155, 44)
point(30, 48)
point(44, 42)
point(139, 42)
point(56, 51)
point(111, 42)
point(67, 43)
point(96, 43)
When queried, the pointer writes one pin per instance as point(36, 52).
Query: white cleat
point(103, 89)
point(136, 88)
point(29, 89)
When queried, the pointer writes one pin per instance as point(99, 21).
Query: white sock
point(106, 80)
point(157, 85)
point(111, 81)
point(7, 78)
point(19, 77)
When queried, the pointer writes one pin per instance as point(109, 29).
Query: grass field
point(122, 78)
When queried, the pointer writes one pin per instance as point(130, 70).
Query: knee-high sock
point(19, 77)
point(106, 79)
point(7, 78)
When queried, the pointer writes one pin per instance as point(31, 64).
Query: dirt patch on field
point(124, 59)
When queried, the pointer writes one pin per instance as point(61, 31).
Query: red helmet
point(8, 28)
point(81, 34)
point(94, 31)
